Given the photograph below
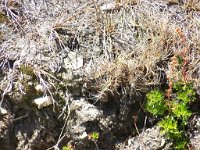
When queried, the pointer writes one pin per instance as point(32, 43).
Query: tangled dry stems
point(130, 46)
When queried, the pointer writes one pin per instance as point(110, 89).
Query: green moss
point(29, 83)
point(179, 59)
point(28, 70)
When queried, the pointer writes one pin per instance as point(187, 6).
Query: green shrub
point(177, 111)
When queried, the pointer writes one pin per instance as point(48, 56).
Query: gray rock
point(73, 61)
point(196, 135)
point(82, 112)
point(151, 139)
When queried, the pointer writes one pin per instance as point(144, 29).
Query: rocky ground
point(71, 69)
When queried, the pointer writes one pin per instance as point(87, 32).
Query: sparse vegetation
point(119, 50)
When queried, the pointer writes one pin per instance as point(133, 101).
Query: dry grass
point(130, 45)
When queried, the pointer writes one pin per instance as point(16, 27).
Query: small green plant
point(177, 111)
point(181, 143)
point(94, 135)
point(156, 104)
point(66, 148)
point(185, 92)
point(169, 127)
point(180, 110)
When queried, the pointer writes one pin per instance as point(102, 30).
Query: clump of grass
point(132, 61)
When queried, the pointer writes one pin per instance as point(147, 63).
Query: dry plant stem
point(135, 123)
point(135, 117)
point(49, 91)
point(145, 123)
point(8, 87)
point(169, 90)
point(183, 53)
point(97, 148)
point(12, 15)
point(174, 62)
point(21, 117)
point(66, 107)
point(38, 73)
point(61, 136)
